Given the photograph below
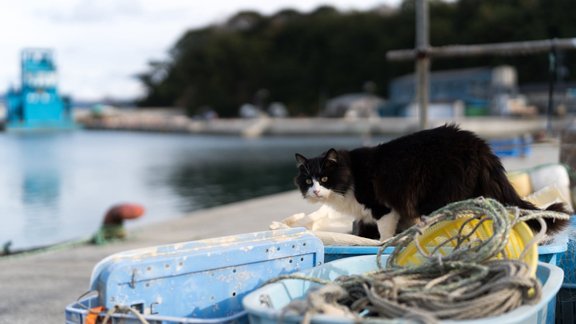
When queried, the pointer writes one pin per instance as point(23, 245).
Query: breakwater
point(158, 121)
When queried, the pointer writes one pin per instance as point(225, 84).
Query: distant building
point(564, 99)
point(482, 91)
point(356, 105)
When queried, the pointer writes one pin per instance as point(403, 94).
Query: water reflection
point(41, 189)
point(57, 187)
point(213, 184)
point(236, 169)
point(39, 157)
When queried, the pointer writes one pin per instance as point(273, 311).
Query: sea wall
point(489, 127)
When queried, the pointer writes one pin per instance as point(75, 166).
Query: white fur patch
point(348, 205)
point(387, 225)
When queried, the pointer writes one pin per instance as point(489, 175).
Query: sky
point(100, 45)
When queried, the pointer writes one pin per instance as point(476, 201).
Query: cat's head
point(320, 177)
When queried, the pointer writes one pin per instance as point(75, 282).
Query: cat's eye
point(324, 179)
point(308, 181)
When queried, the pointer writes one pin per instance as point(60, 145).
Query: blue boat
point(37, 105)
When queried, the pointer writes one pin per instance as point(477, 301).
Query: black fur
point(417, 174)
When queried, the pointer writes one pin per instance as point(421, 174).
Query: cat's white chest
point(347, 204)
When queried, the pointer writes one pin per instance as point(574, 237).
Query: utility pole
point(552, 74)
point(422, 60)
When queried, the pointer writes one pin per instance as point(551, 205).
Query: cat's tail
point(495, 184)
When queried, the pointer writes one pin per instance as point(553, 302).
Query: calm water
point(57, 187)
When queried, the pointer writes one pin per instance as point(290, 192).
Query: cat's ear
point(332, 155)
point(300, 160)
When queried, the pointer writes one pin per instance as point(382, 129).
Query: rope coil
point(466, 283)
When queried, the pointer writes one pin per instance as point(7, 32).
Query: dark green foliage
point(305, 58)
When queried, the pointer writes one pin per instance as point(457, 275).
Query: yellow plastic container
point(434, 236)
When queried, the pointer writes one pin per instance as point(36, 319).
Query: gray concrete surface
point(36, 288)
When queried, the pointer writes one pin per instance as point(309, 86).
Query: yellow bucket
point(434, 236)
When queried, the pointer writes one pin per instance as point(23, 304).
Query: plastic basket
point(265, 305)
point(442, 238)
point(548, 253)
point(197, 282)
point(476, 230)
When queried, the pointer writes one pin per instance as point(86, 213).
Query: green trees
point(302, 59)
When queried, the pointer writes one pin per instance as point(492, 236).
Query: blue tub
point(264, 305)
point(551, 253)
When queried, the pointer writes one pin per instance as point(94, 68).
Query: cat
point(393, 184)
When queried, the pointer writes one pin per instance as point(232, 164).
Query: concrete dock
point(36, 288)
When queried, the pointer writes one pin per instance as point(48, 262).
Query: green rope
point(109, 233)
point(9, 255)
point(105, 234)
point(468, 283)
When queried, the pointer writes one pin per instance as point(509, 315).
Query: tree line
point(302, 59)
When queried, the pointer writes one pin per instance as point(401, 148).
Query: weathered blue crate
point(78, 313)
point(265, 305)
point(200, 281)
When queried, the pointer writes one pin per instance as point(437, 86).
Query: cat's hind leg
point(365, 229)
point(387, 224)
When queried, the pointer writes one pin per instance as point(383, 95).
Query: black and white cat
point(393, 184)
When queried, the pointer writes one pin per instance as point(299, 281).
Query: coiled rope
point(465, 284)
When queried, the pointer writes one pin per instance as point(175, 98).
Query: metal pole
point(552, 73)
point(422, 60)
point(510, 48)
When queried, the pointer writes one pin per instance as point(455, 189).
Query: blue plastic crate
point(566, 299)
point(568, 261)
point(265, 305)
point(200, 281)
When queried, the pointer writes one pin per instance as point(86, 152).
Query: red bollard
point(113, 225)
point(118, 213)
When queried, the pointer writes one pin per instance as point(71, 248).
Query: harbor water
point(56, 187)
